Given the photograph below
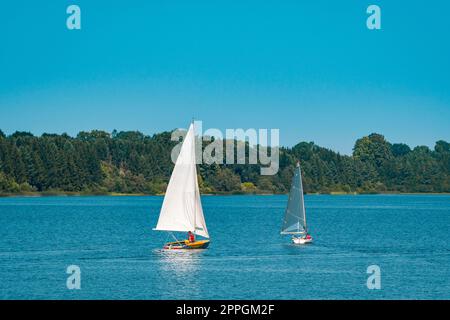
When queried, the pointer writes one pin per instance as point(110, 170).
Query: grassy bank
point(116, 194)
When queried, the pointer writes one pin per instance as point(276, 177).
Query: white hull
point(301, 240)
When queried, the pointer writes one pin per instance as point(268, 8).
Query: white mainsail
point(295, 218)
point(182, 207)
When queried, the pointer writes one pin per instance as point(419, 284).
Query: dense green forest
point(98, 162)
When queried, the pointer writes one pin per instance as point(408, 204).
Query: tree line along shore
point(131, 163)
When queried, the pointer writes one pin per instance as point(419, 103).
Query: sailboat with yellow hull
point(182, 210)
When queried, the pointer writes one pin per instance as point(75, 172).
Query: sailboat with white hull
point(182, 207)
point(294, 222)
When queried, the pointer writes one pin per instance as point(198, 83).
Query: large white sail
point(182, 207)
point(295, 219)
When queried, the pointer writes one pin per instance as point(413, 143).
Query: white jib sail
point(294, 221)
point(182, 207)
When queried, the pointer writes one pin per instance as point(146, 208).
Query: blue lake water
point(111, 240)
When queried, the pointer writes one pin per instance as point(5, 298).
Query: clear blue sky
point(310, 68)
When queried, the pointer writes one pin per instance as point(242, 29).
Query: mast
point(303, 198)
point(195, 171)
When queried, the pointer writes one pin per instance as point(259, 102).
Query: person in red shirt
point(191, 237)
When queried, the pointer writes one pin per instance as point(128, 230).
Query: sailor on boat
point(191, 237)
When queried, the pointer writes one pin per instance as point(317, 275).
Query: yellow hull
point(201, 244)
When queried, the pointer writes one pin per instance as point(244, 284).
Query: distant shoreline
point(115, 194)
